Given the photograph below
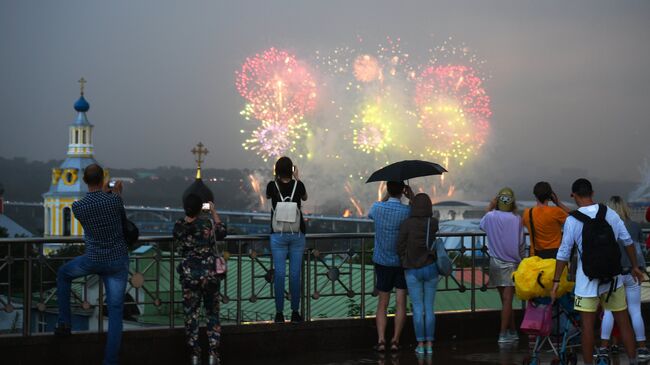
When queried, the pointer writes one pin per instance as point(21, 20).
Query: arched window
point(76, 136)
point(48, 221)
point(67, 221)
point(83, 136)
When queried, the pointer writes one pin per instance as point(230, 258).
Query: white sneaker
point(512, 335)
point(505, 338)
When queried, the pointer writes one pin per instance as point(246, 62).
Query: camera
point(111, 184)
point(205, 206)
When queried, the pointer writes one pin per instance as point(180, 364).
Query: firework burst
point(454, 110)
point(279, 90)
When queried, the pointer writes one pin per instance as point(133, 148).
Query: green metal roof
point(261, 306)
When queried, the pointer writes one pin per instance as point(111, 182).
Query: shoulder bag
point(221, 265)
point(443, 262)
point(130, 231)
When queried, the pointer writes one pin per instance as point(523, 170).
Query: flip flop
point(380, 346)
point(394, 346)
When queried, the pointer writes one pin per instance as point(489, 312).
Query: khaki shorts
point(615, 303)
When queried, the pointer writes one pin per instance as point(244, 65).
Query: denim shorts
point(389, 277)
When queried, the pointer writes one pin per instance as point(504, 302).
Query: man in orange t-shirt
point(547, 222)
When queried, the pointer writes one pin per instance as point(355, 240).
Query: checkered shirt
point(100, 215)
point(388, 217)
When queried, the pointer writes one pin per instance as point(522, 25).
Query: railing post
point(239, 298)
point(473, 282)
point(172, 292)
point(362, 303)
point(27, 302)
point(307, 295)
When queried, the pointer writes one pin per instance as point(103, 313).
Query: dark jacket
point(411, 245)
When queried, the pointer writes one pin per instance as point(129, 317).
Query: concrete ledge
point(165, 346)
point(255, 341)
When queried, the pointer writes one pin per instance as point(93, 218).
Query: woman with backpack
point(632, 288)
point(287, 192)
point(414, 242)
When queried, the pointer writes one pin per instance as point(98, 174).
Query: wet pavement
point(461, 353)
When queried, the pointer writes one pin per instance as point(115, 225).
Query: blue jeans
point(422, 284)
point(283, 245)
point(114, 275)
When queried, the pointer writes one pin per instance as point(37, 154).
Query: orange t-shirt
point(549, 221)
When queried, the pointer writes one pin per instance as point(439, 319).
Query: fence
point(337, 281)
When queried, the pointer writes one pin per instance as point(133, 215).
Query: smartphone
point(205, 206)
point(111, 184)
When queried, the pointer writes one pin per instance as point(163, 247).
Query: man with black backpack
point(595, 230)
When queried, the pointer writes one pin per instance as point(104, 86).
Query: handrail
point(250, 237)
point(334, 265)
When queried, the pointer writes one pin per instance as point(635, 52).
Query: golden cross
point(82, 82)
point(199, 151)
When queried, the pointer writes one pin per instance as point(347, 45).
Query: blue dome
point(81, 105)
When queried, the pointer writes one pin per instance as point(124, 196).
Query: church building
point(67, 184)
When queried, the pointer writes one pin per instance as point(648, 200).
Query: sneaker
point(512, 335)
point(295, 317)
point(505, 338)
point(601, 353)
point(642, 353)
point(428, 349)
point(214, 360)
point(62, 330)
point(195, 359)
point(279, 318)
point(420, 350)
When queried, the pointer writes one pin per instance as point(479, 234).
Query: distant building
point(67, 186)
point(13, 229)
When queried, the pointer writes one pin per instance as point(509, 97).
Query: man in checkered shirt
point(101, 214)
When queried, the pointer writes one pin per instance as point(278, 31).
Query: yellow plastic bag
point(534, 278)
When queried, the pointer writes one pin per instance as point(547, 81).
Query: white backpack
point(286, 215)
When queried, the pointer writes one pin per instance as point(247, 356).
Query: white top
point(573, 234)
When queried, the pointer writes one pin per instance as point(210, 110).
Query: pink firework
point(271, 140)
point(278, 87)
point(454, 110)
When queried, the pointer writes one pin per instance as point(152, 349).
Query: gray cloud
point(569, 84)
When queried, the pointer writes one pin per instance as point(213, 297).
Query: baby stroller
point(566, 333)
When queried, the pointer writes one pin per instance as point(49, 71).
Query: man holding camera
point(101, 214)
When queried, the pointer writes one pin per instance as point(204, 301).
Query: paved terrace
point(338, 302)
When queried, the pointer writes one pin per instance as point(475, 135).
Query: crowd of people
point(404, 259)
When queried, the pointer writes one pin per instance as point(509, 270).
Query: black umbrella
point(405, 170)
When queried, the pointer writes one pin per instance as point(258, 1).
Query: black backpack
point(601, 256)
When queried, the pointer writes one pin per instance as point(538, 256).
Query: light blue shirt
point(573, 235)
point(388, 217)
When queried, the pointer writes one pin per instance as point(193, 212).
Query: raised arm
point(559, 203)
point(563, 254)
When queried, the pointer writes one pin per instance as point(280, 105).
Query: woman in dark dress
point(196, 236)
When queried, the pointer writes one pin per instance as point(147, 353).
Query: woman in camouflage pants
point(195, 236)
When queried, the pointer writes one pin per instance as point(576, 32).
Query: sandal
point(380, 346)
point(394, 346)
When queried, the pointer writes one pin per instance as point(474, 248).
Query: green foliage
point(354, 309)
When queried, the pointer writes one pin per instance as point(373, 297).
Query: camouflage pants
point(192, 297)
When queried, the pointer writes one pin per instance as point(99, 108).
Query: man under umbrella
point(388, 215)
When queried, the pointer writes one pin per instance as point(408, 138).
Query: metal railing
point(337, 281)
